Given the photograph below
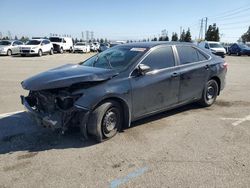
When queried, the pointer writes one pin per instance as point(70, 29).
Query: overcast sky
point(122, 20)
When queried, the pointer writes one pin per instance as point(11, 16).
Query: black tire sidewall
point(215, 85)
point(40, 53)
point(51, 52)
point(95, 124)
point(9, 52)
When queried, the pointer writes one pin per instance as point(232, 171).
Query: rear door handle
point(174, 75)
point(207, 67)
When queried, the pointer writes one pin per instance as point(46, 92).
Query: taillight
point(225, 65)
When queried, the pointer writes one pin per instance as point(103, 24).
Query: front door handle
point(207, 67)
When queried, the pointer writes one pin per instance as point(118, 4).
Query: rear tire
point(9, 52)
point(238, 54)
point(210, 93)
point(61, 50)
point(105, 121)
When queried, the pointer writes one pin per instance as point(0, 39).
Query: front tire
point(238, 54)
point(210, 93)
point(9, 52)
point(40, 53)
point(61, 50)
point(51, 52)
point(105, 121)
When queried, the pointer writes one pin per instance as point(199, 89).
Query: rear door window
point(187, 54)
point(160, 58)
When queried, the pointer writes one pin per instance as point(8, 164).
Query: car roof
point(39, 39)
point(155, 43)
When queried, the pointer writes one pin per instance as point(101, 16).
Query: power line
point(233, 11)
point(231, 16)
point(235, 23)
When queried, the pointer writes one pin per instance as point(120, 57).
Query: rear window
point(55, 39)
point(188, 54)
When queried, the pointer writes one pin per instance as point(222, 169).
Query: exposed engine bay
point(54, 108)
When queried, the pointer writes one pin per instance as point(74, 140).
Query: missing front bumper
point(76, 116)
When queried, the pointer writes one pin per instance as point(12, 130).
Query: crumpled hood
point(65, 76)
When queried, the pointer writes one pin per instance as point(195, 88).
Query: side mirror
point(143, 69)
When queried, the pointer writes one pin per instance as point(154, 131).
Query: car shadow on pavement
point(19, 132)
point(165, 114)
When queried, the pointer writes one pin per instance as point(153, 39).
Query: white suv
point(215, 47)
point(62, 44)
point(95, 46)
point(82, 47)
point(37, 47)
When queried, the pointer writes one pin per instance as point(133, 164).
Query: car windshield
point(5, 43)
point(55, 39)
point(243, 46)
point(80, 44)
point(118, 58)
point(33, 42)
point(215, 45)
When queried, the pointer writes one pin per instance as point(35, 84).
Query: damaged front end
point(55, 109)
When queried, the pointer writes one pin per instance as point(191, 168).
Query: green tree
point(213, 33)
point(101, 40)
point(160, 38)
point(24, 39)
point(246, 36)
point(154, 39)
point(174, 37)
point(188, 37)
point(183, 35)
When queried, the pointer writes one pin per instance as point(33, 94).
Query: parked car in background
point(239, 49)
point(108, 91)
point(215, 47)
point(104, 46)
point(61, 44)
point(94, 47)
point(10, 47)
point(82, 47)
point(37, 47)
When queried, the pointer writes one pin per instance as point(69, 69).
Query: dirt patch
point(27, 155)
point(232, 103)
point(17, 166)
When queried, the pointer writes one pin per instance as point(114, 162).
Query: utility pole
point(206, 19)
point(201, 30)
point(180, 32)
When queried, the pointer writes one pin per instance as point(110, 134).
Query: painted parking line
point(115, 183)
point(238, 121)
point(10, 114)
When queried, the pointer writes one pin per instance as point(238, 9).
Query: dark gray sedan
point(107, 92)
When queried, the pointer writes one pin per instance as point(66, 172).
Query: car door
point(194, 72)
point(15, 47)
point(159, 87)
